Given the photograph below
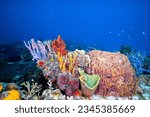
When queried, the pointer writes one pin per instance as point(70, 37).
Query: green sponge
point(90, 80)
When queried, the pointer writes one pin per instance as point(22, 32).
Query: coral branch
point(137, 61)
point(59, 46)
point(38, 49)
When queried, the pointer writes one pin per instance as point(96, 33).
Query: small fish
point(131, 27)
point(119, 34)
point(110, 32)
point(143, 33)
point(122, 31)
point(130, 38)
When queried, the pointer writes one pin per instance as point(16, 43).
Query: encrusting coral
point(82, 59)
point(117, 75)
point(67, 83)
point(51, 70)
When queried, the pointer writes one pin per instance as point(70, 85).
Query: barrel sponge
point(117, 75)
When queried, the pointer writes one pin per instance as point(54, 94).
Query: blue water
point(105, 24)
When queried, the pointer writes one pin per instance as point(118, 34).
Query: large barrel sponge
point(117, 75)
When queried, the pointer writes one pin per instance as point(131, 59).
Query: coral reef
point(147, 63)
point(15, 59)
point(45, 56)
point(72, 62)
point(68, 63)
point(89, 83)
point(90, 80)
point(51, 70)
point(52, 95)
point(59, 46)
point(1, 87)
point(9, 91)
point(83, 59)
point(67, 83)
point(105, 73)
point(137, 60)
point(145, 86)
point(39, 50)
point(32, 90)
point(12, 95)
point(116, 72)
point(125, 49)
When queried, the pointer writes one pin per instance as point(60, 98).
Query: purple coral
point(38, 49)
point(67, 83)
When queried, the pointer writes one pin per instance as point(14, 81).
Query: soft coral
point(59, 46)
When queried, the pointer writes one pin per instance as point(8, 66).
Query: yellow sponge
point(13, 95)
point(1, 87)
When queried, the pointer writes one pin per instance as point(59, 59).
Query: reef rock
point(117, 75)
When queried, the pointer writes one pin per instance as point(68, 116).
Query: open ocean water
point(106, 24)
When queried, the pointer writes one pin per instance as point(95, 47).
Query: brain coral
point(117, 74)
